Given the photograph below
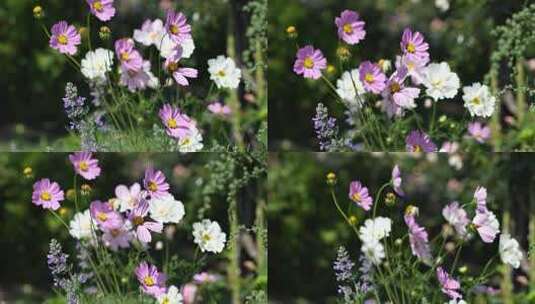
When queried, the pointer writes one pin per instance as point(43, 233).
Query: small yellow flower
point(38, 12)
point(331, 179)
point(291, 31)
point(104, 33)
point(28, 172)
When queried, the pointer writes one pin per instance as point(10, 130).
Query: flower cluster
point(467, 220)
point(129, 220)
point(415, 76)
point(174, 42)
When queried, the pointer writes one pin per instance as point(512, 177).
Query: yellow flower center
point(149, 281)
point(309, 63)
point(171, 123)
point(124, 56)
point(356, 197)
point(138, 220)
point(348, 29)
point(83, 166)
point(369, 78)
point(221, 73)
point(101, 216)
point(206, 237)
point(166, 300)
point(476, 101)
point(417, 148)
point(152, 185)
point(411, 48)
point(97, 5)
point(115, 232)
point(173, 66)
point(186, 141)
point(175, 30)
point(46, 196)
point(62, 39)
point(395, 87)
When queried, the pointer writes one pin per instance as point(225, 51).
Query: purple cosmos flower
point(479, 131)
point(138, 79)
point(128, 56)
point(414, 67)
point(418, 141)
point(47, 194)
point(372, 77)
point(177, 26)
point(397, 92)
point(65, 38)
point(457, 217)
point(480, 195)
point(143, 227)
point(117, 238)
point(396, 181)
point(418, 237)
point(219, 109)
point(350, 28)
point(449, 286)
point(359, 194)
point(178, 125)
point(180, 75)
point(102, 9)
point(152, 282)
point(414, 47)
point(85, 165)
point(155, 183)
point(309, 62)
point(105, 216)
point(486, 225)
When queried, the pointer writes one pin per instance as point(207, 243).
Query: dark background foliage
point(461, 36)
point(305, 229)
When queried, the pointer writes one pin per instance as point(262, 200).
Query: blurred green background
point(202, 181)
point(461, 36)
point(33, 78)
point(305, 229)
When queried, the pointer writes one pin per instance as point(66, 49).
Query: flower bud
point(398, 242)
point(331, 69)
point(38, 12)
point(331, 179)
point(63, 211)
point(343, 53)
point(71, 193)
point(463, 269)
point(353, 220)
point(104, 33)
point(83, 31)
point(28, 172)
point(390, 199)
point(85, 189)
point(291, 31)
point(385, 65)
point(411, 210)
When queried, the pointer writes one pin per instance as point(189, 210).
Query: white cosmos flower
point(96, 64)
point(440, 81)
point(457, 217)
point(127, 198)
point(510, 250)
point(192, 142)
point(375, 229)
point(374, 251)
point(223, 72)
point(345, 87)
point(166, 209)
point(461, 301)
point(208, 236)
point(478, 100)
point(443, 5)
point(80, 225)
point(173, 296)
point(151, 32)
point(167, 47)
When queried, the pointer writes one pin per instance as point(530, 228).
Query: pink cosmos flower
point(128, 198)
point(204, 277)
point(414, 67)
point(65, 38)
point(129, 57)
point(413, 46)
point(398, 93)
point(143, 227)
point(117, 238)
point(480, 132)
point(178, 125)
point(449, 147)
point(85, 165)
point(155, 183)
point(47, 194)
point(449, 286)
point(152, 282)
point(105, 216)
point(177, 26)
point(418, 238)
point(480, 195)
point(138, 79)
point(309, 62)
point(102, 9)
point(189, 292)
point(372, 77)
point(418, 141)
point(180, 74)
point(486, 225)
point(396, 181)
point(457, 217)
point(359, 194)
point(350, 28)
point(219, 109)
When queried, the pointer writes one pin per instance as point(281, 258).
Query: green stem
point(377, 196)
point(335, 201)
